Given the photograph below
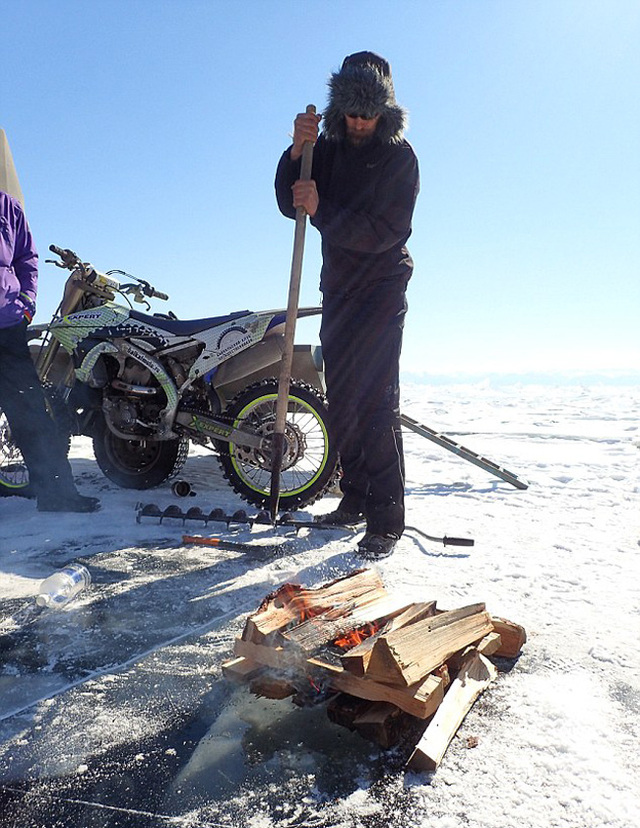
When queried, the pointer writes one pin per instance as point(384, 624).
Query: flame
point(315, 685)
point(300, 602)
point(354, 637)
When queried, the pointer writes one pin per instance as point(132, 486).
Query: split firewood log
point(384, 724)
point(344, 708)
point(513, 637)
point(269, 686)
point(240, 669)
point(380, 722)
point(420, 699)
point(487, 646)
point(291, 604)
point(476, 673)
point(405, 656)
point(357, 658)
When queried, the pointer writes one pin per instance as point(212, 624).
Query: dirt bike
point(143, 386)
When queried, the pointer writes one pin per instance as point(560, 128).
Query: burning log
point(344, 625)
point(356, 660)
point(420, 699)
point(386, 663)
point(291, 604)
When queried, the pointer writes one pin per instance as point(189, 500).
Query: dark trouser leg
point(33, 430)
point(339, 350)
point(361, 342)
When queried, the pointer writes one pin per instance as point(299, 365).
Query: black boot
point(340, 517)
point(372, 547)
point(67, 502)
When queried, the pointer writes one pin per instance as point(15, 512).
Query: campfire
point(382, 664)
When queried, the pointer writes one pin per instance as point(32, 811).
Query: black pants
point(34, 432)
point(361, 339)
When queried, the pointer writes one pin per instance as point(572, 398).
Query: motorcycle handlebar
point(146, 289)
point(150, 291)
point(68, 256)
point(70, 260)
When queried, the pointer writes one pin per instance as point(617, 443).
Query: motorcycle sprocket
point(309, 461)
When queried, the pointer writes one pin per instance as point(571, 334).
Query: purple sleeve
point(25, 262)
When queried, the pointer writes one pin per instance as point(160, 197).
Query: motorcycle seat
point(186, 327)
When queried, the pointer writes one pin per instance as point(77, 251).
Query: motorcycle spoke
point(13, 472)
point(308, 461)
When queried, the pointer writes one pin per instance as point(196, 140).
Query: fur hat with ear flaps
point(364, 86)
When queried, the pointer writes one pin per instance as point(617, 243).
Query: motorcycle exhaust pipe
point(141, 390)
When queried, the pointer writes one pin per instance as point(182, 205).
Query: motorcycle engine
point(132, 415)
point(123, 413)
point(134, 400)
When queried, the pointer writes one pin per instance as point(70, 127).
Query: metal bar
point(289, 333)
point(462, 451)
point(220, 543)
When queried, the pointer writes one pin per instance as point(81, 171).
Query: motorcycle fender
point(84, 372)
point(256, 358)
point(307, 367)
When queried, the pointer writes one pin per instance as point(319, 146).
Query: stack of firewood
point(385, 663)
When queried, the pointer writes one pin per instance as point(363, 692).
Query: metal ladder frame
point(466, 453)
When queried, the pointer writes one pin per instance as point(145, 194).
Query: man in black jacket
point(361, 197)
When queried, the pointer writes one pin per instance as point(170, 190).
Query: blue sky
point(146, 135)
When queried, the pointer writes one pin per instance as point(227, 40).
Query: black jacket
point(367, 195)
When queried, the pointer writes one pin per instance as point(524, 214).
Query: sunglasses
point(360, 115)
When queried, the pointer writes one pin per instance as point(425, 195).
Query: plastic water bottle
point(58, 589)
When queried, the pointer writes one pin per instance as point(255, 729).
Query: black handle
point(445, 541)
point(457, 541)
point(68, 256)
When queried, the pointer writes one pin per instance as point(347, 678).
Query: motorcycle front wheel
point(14, 475)
point(137, 464)
point(309, 460)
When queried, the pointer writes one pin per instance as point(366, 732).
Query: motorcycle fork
point(71, 301)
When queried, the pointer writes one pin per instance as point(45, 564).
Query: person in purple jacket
point(21, 396)
point(361, 197)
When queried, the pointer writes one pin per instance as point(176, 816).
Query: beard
point(360, 139)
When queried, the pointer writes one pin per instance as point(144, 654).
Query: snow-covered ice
point(113, 711)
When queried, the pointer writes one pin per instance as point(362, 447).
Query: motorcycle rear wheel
point(138, 464)
point(309, 462)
